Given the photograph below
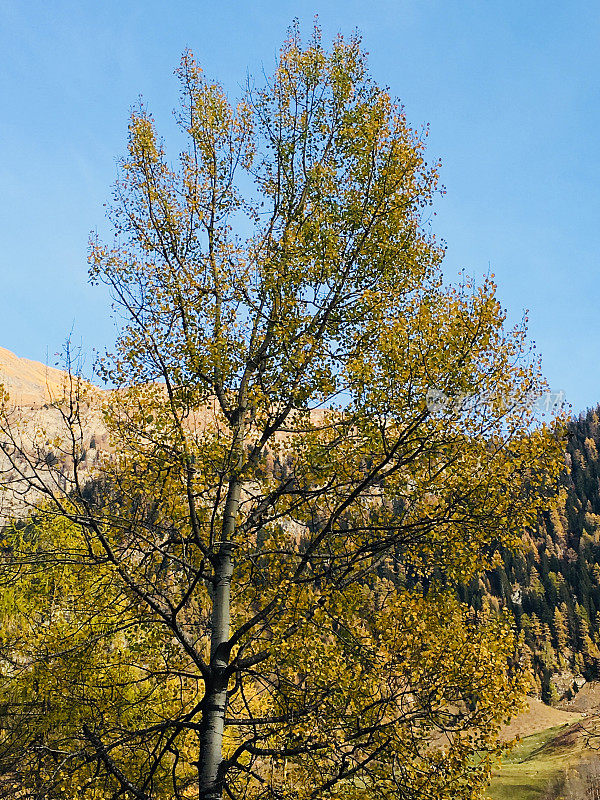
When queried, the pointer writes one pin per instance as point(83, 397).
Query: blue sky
point(511, 91)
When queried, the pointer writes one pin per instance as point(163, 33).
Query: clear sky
point(511, 89)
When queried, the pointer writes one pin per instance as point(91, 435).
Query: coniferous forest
point(552, 585)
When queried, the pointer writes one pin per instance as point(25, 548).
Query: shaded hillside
point(553, 586)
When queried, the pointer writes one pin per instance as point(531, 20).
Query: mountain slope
point(29, 383)
point(552, 586)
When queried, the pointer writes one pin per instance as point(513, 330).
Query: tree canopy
point(252, 594)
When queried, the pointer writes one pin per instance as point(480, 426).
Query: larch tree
point(251, 595)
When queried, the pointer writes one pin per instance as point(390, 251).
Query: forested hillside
point(553, 586)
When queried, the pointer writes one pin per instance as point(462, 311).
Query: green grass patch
point(536, 761)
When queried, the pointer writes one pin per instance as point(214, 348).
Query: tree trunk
point(214, 704)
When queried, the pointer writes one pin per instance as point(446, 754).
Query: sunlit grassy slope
point(537, 761)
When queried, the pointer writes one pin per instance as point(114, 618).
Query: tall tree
point(285, 507)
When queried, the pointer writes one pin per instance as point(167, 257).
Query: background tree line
point(552, 584)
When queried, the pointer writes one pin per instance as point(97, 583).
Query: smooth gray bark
point(215, 699)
